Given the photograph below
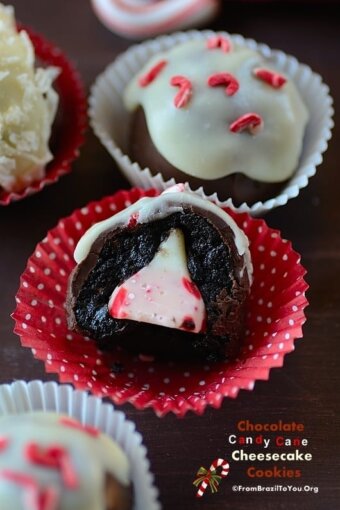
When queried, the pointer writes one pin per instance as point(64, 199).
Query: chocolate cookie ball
point(52, 462)
point(216, 115)
point(168, 276)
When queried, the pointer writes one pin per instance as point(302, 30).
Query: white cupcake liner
point(21, 397)
point(110, 120)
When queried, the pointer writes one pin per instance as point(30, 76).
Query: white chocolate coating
point(28, 106)
point(196, 138)
point(162, 293)
point(154, 208)
point(92, 459)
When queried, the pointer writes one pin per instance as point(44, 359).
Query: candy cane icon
point(209, 477)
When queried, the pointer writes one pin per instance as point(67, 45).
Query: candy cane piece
point(216, 464)
point(70, 422)
point(133, 220)
point(42, 499)
point(217, 79)
point(185, 90)
point(219, 41)
point(273, 79)
point(250, 121)
point(152, 74)
point(55, 457)
point(35, 498)
point(3, 443)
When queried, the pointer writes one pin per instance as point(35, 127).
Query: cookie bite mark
point(152, 74)
point(251, 122)
point(162, 293)
point(219, 42)
point(184, 94)
point(186, 257)
point(275, 80)
point(227, 79)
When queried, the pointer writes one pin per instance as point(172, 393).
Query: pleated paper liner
point(274, 320)
point(68, 135)
point(22, 397)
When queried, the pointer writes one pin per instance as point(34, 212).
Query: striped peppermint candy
point(138, 19)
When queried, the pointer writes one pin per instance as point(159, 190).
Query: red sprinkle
point(133, 220)
point(152, 74)
point(70, 422)
point(219, 41)
point(185, 92)
point(55, 457)
point(188, 324)
point(232, 85)
point(43, 499)
point(191, 287)
point(34, 497)
point(118, 303)
point(273, 79)
point(250, 121)
point(18, 478)
point(3, 443)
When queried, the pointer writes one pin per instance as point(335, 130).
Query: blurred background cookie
point(138, 19)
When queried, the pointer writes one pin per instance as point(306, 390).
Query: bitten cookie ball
point(167, 276)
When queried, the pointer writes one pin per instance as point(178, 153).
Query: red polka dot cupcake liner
point(274, 320)
point(71, 114)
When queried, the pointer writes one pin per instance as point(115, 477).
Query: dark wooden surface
point(306, 389)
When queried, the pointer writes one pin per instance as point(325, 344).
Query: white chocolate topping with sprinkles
point(216, 110)
point(155, 208)
point(52, 462)
point(162, 293)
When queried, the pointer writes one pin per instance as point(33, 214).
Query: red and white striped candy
point(138, 19)
point(216, 464)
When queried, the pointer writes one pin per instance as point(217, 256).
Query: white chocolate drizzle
point(155, 208)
